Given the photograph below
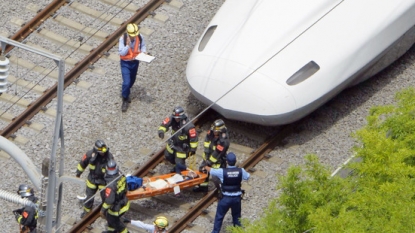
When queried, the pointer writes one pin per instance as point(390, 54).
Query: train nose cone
point(236, 89)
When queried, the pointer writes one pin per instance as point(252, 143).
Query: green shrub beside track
point(378, 196)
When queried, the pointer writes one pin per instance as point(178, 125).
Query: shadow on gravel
point(140, 93)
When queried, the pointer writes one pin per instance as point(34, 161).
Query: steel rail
point(81, 67)
point(146, 168)
point(33, 24)
point(249, 163)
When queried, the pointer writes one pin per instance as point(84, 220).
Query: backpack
point(134, 182)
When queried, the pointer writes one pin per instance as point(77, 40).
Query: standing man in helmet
point(96, 160)
point(27, 216)
point(130, 45)
point(231, 178)
point(159, 225)
point(115, 203)
point(183, 143)
point(216, 146)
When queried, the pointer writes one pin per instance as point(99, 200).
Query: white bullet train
point(272, 62)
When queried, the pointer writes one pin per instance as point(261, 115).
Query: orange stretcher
point(167, 183)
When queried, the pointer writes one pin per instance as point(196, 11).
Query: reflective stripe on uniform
point(193, 145)
point(122, 210)
point(180, 155)
point(182, 137)
point(125, 208)
point(90, 185)
point(105, 205)
point(213, 159)
point(206, 184)
point(169, 149)
point(121, 185)
point(80, 168)
point(91, 167)
point(217, 165)
point(163, 128)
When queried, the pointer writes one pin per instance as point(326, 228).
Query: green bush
point(378, 196)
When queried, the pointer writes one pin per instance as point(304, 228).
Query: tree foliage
point(378, 195)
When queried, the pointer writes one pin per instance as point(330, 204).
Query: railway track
point(198, 209)
point(79, 68)
point(47, 94)
point(318, 136)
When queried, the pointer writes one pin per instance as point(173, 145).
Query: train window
point(206, 37)
point(304, 73)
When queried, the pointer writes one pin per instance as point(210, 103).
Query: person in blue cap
point(231, 178)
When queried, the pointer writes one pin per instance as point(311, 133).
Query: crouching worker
point(216, 146)
point(115, 203)
point(159, 225)
point(183, 143)
point(27, 216)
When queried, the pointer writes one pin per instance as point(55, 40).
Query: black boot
point(124, 106)
point(126, 220)
point(128, 99)
point(199, 188)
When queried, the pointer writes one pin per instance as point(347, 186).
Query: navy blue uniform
point(231, 179)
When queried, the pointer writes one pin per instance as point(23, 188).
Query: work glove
point(202, 169)
point(161, 134)
point(78, 175)
point(209, 163)
point(16, 214)
point(18, 211)
point(192, 153)
point(126, 220)
point(185, 146)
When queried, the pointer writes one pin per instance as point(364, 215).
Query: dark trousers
point(129, 74)
point(29, 229)
point(115, 224)
point(180, 163)
point(90, 193)
point(224, 204)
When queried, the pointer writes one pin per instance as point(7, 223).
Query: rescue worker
point(115, 203)
point(216, 146)
point(130, 45)
point(28, 215)
point(159, 225)
point(231, 178)
point(183, 143)
point(96, 159)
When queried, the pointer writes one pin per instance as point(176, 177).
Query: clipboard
point(144, 57)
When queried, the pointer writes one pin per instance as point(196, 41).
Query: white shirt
point(151, 228)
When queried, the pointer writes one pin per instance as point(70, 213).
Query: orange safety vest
point(131, 54)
